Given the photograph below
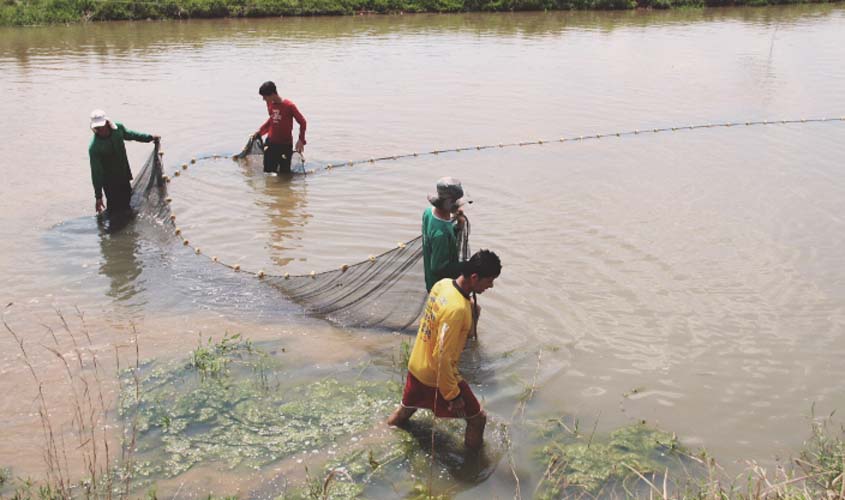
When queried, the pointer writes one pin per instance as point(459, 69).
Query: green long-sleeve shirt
point(440, 249)
point(108, 157)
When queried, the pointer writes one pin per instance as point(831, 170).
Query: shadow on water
point(119, 247)
point(146, 267)
point(138, 252)
point(282, 198)
point(122, 249)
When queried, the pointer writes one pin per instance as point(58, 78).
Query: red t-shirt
point(279, 127)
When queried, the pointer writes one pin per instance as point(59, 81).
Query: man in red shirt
point(279, 130)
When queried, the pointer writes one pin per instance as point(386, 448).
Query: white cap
point(99, 118)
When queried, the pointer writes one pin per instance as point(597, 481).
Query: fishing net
point(255, 148)
point(385, 291)
point(149, 189)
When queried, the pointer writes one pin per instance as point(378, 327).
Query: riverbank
point(34, 12)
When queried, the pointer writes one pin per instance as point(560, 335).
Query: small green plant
point(313, 485)
point(400, 360)
point(212, 359)
point(823, 458)
point(421, 491)
point(404, 355)
point(28, 489)
point(5, 476)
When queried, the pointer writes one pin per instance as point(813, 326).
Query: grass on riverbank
point(34, 12)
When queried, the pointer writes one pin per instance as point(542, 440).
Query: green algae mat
point(577, 463)
point(233, 406)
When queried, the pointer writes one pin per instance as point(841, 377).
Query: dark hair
point(484, 263)
point(267, 88)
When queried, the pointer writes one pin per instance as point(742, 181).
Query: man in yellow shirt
point(433, 380)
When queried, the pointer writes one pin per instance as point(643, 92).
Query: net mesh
point(385, 291)
point(255, 147)
point(149, 189)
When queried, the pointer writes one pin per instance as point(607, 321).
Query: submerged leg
point(475, 431)
point(285, 158)
point(400, 416)
point(272, 157)
point(118, 196)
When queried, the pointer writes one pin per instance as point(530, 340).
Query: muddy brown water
point(693, 279)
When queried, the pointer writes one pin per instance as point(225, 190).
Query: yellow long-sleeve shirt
point(443, 332)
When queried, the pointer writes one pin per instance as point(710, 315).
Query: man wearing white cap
point(110, 170)
point(439, 222)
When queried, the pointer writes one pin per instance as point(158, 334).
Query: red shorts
point(420, 396)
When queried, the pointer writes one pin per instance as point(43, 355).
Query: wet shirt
point(440, 249)
point(107, 156)
point(279, 127)
point(444, 328)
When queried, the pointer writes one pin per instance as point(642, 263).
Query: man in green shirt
point(440, 222)
point(110, 170)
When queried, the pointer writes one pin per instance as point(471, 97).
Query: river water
point(692, 279)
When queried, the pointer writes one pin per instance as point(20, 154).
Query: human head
point(481, 270)
point(449, 196)
point(267, 90)
point(100, 123)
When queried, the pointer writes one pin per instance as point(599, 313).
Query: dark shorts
point(420, 396)
point(277, 157)
point(118, 196)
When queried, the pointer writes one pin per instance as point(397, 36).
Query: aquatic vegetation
point(577, 462)
point(638, 461)
point(152, 494)
point(231, 404)
point(215, 409)
point(213, 359)
point(415, 462)
point(27, 489)
point(401, 358)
